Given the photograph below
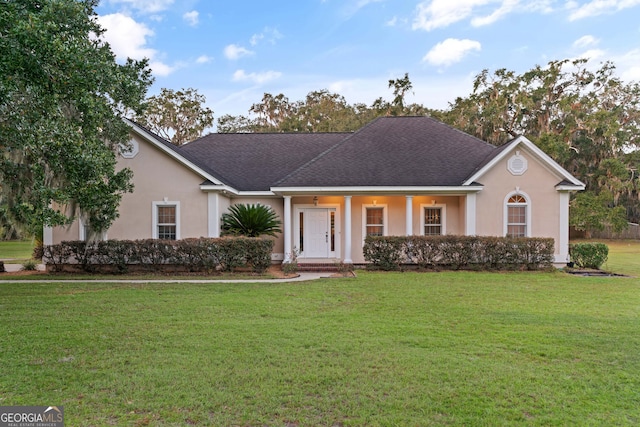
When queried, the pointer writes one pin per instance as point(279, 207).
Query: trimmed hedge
point(194, 255)
point(459, 252)
point(589, 255)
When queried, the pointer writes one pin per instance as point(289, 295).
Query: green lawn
point(400, 349)
point(16, 250)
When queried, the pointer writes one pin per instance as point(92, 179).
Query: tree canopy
point(585, 117)
point(178, 116)
point(320, 111)
point(587, 120)
point(62, 99)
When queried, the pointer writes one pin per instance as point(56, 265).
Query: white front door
point(317, 232)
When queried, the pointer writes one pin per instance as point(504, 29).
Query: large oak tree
point(62, 99)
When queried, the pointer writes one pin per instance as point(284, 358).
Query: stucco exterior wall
point(537, 184)
point(156, 177)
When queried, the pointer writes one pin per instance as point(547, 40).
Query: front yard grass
point(17, 251)
point(381, 349)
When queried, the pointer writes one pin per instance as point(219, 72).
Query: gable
point(509, 151)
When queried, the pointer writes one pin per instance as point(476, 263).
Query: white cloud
point(442, 13)
point(203, 59)
point(191, 18)
point(628, 65)
point(258, 78)
point(432, 14)
point(598, 7)
point(272, 35)
point(234, 52)
point(506, 8)
point(128, 39)
point(450, 51)
point(391, 22)
point(146, 6)
point(591, 54)
point(161, 69)
point(585, 41)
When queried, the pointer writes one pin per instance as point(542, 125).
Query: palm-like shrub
point(251, 221)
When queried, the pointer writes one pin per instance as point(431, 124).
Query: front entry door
point(318, 232)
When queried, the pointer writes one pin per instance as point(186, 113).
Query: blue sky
point(234, 51)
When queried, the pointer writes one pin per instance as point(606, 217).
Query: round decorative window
point(517, 164)
point(130, 150)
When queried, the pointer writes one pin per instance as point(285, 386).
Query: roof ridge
point(325, 152)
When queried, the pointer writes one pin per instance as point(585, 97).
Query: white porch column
point(347, 230)
point(562, 251)
point(287, 229)
point(409, 216)
point(213, 215)
point(470, 214)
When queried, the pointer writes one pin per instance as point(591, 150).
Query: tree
point(320, 111)
point(62, 99)
point(588, 121)
point(251, 221)
point(179, 116)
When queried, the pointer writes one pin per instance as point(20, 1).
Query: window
point(517, 216)
point(166, 220)
point(374, 220)
point(85, 233)
point(434, 219)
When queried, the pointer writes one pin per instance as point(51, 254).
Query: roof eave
point(541, 155)
point(390, 190)
point(173, 154)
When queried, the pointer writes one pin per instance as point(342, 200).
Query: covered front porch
point(324, 227)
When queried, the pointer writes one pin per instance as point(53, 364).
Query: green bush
point(250, 221)
point(30, 265)
point(589, 255)
point(196, 255)
point(385, 252)
point(459, 252)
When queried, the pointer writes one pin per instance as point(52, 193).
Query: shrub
point(385, 252)
point(2, 269)
point(202, 254)
point(30, 265)
point(250, 221)
point(459, 252)
point(589, 255)
point(291, 267)
point(57, 255)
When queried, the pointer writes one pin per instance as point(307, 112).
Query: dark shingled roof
point(256, 161)
point(396, 151)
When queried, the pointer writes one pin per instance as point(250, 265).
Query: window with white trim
point(166, 220)
point(86, 233)
point(433, 220)
point(374, 220)
point(517, 206)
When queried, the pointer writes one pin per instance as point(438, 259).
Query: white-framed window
point(166, 220)
point(85, 233)
point(433, 220)
point(517, 215)
point(374, 220)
